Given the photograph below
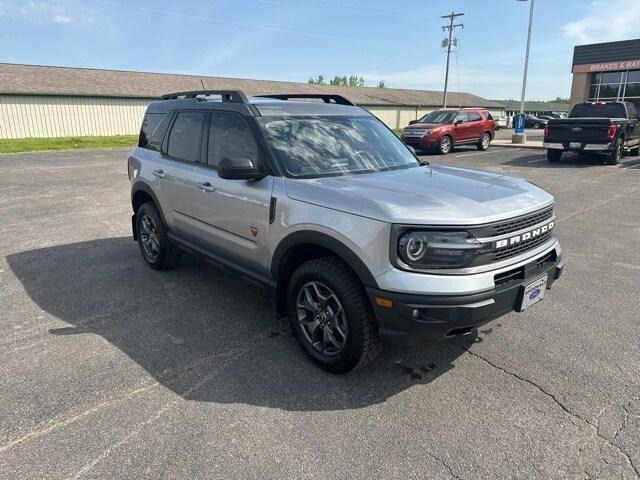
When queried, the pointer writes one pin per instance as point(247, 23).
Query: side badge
point(253, 230)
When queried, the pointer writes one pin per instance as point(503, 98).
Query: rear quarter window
point(149, 126)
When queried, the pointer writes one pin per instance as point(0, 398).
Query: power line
point(451, 27)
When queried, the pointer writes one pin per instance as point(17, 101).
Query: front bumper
point(421, 142)
point(416, 319)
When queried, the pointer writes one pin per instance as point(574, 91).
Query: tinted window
point(474, 117)
point(149, 125)
point(633, 76)
point(489, 116)
point(155, 142)
point(462, 116)
point(230, 136)
point(186, 136)
point(602, 110)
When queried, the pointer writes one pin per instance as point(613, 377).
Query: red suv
point(444, 129)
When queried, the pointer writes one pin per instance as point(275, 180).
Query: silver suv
point(318, 201)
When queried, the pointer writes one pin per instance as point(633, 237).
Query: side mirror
point(458, 122)
point(413, 122)
point(239, 168)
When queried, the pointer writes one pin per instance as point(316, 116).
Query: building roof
point(535, 106)
point(607, 52)
point(47, 80)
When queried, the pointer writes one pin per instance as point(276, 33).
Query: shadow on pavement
point(204, 334)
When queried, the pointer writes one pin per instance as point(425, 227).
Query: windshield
point(439, 116)
point(334, 145)
point(600, 110)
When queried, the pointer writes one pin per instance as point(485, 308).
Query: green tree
point(561, 100)
point(319, 80)
point(381, 84)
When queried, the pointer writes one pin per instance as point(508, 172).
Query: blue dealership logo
point(533, 295)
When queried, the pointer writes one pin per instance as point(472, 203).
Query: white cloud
point(47, 11)
point(606, 20)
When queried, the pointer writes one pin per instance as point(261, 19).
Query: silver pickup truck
point(319, 202)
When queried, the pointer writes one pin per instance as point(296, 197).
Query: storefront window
point(623, 85)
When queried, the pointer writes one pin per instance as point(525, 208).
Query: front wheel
point(445, 145)
point(484, 142)
point(331, 316)
point(554, 155)
point(616, 153)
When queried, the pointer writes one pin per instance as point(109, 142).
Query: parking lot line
point(493, 150)
point(542, 159)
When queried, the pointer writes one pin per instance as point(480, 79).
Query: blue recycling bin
point(518, 123)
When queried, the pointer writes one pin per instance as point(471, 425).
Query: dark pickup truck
point(611, 127)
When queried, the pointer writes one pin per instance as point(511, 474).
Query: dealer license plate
point(534, 292)
point(575, 145)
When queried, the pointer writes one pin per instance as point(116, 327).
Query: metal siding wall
point(24, 116)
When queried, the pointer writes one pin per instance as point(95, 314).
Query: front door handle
point(159, 173)
point(206, 187)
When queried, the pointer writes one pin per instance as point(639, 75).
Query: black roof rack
point(232, 96)
point(326, 98)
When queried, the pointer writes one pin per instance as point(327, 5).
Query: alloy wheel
point(486, 140)
point(322, 318)
point(445, 145)
point(149, 237)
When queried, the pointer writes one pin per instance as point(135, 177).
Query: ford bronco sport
point(317, 200)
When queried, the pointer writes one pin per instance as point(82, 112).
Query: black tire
point(616, 154)
point(163, 255)
point(484, 142)
point(360, 343)
point(635, 151)
point(554, 155)
point(445, 145)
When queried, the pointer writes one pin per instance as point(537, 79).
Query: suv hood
point(434, 195)
point(426, 125)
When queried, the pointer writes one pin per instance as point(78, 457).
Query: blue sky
point(296, 39)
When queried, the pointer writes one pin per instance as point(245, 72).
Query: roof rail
point(232, 96)
point(325, 97)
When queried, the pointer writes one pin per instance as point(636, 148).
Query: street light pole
point(520, 136)
point(526, 57)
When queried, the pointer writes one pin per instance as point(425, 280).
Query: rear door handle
point(159, 173)
point(206, 187)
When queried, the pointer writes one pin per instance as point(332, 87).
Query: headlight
point(426, 249)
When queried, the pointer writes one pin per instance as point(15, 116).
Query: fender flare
point(328, 242)
point(141, 186)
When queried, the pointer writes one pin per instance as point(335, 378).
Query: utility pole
point(451, 27)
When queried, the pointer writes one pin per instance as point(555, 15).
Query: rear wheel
point(635, 151)
point(554, 155)
point(616, 154)
point(445, 145)
point(156, 248)
point(484, 142)
point(331, 316)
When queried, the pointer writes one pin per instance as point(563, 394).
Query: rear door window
point(474, 117)
point(185, 138)
point(230, 136)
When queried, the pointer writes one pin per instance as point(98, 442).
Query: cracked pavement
point(111, 370)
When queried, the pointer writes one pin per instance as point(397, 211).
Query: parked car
point(501, 122)
point(611, 127)
point(547, 117)
point(443, 130)
point(531, 121)
point(325, 207)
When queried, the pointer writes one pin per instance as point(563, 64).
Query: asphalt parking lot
point(109, 369)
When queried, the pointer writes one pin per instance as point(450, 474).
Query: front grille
point(523, 222)
point(518, 275)
point(518, 248)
